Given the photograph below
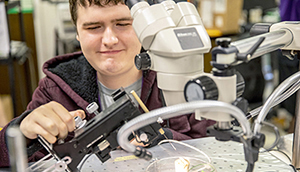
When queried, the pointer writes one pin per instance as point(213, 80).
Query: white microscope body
point(175, 40)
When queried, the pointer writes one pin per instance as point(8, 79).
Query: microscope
point(175, 40)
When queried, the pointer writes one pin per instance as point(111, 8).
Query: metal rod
point(17, 151)
point(296, 139)
point(273, 41)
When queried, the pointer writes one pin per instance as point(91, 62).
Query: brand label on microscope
point(188, 38)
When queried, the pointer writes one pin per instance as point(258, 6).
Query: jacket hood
point(73, 73)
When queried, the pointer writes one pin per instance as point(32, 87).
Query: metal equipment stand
point(296, 139)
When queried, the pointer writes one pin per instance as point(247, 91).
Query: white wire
point(287, 83)
point(187, 145)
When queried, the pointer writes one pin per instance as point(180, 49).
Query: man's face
point(107, 38)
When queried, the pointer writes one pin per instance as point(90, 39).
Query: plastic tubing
point(177, 110)
point(278, 100)
point(272, 98)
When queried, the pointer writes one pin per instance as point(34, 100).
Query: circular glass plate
point(168, 165)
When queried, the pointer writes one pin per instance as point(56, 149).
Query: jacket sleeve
point(188, 127)
point(41, 94)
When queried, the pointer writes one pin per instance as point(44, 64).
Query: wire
point(283, 154)
point(187, 145)
point(280, 90)
point(278, 100)
point(250, 167)
point(275, 143)
point(277, 134)
point(294, 168)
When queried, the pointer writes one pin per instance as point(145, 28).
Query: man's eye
point(123, 24)
point(94, 27)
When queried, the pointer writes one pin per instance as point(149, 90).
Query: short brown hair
point(74, 5)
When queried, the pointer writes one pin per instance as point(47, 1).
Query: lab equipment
point(175, 41)
point(224, 156)
point(17, 153)
point(99, 135)
point(174, 49)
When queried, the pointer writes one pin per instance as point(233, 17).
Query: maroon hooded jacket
point(71, 81)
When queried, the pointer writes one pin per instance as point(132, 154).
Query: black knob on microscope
point(142, 61)
point(201, 88)
point(223, 42)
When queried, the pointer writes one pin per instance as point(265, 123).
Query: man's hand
point(51, 121)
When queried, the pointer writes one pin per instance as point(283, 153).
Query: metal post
point(17, 151)
point(296, 139)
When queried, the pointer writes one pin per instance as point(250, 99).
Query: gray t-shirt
point(105, 93)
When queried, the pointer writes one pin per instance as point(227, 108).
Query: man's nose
point(109, 37)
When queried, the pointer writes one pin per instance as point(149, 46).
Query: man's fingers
point(34, 130)
point(46, 135)
point(50, 121)
point(79, 113)
point(64, 115)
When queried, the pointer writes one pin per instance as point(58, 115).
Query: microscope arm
point(283, 35)
point(280, 36)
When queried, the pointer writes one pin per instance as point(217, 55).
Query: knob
point(201, 88)
point(79, 123)
point(142, 61)
point(223, 42)
point(93, 108)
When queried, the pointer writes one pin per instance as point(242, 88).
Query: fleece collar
point(76, 72)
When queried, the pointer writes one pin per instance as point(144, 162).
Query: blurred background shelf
point(18, 69)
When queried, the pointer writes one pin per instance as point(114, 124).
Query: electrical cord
point(250, 167)
point(283, 154)
point(278, 100)
point(275, 143)
point(295, 169)
point(277, 138)
point(280, 90)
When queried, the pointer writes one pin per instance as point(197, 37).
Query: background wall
point(44, 19)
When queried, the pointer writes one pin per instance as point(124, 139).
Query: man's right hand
point(52, 121)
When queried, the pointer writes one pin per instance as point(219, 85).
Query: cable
point(277, 134)
point(283, 154)
point(250, 167)
point(278, 100)
point(281, 89)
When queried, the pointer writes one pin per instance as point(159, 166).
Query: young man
point(106, 63)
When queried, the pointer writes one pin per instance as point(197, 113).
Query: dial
point(142, 61)
point(201, 88)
